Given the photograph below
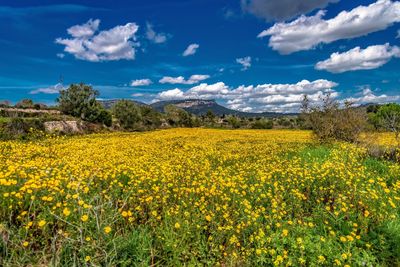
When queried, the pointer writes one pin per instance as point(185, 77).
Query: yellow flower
point(124, 214)
point(84, 218)
point(107, 229)
point(25, 244)
point(87, 258)
point(42, 223)
point(177, 225)
point(321, 259)
point(285, 232)
point(208, 218)
point(88, 238)
point(66, 212)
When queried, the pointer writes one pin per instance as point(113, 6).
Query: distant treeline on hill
point(79, 103)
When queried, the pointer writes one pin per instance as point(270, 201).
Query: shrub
point(19, 128)
point(330, 122)
point(388, 117)
point(25, 103)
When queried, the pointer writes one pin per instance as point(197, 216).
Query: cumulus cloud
point(245, 62)
point(281, 9)
point(141, 82)
point(181, 80)
point(371, 57)
point(190, 50)
point(256, 98)
point(89, 44)
point(157, 38)
point(55, 89)
point(171, 94)
point(369, 96)
point(305, 33)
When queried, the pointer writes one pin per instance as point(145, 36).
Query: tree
point(150, 117)
point(79, 100)
point(210, 116)
point(389, 118)
point(234, 122)
point(128, 113)
point(262, 124)
point(177, 116)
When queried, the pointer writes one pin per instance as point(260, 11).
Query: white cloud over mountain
point(190, 50)
point(89, 44)
point(371, 57)
point(264, 97)
point(181, 80)
point(306, 32)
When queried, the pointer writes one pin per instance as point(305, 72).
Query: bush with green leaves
point(25, 103)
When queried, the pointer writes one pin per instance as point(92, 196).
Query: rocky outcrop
point(69, 127)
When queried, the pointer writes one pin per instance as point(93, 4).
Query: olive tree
point(79, 100)
point(128, 113)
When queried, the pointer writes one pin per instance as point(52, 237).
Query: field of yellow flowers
point(196, 197)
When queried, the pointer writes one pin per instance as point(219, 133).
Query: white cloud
point(48, 90)
point(181, 80)
point(137, 94)
point(114, 44)
point(171, 94)
point(398, 34)
point(258, 98)
point(305, 32)
point(190, 50)
point(141, 82)
point(85, 30)
point(281, 9)
point(368, 96)
point(245, 62)
point(371, 57)
point(60, 55)
point(157, 38)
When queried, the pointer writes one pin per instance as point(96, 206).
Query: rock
point(63, 127)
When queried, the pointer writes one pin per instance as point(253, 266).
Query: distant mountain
point(108, 104)
point(200, 107)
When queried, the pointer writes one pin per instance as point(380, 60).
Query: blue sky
point(251, 55)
